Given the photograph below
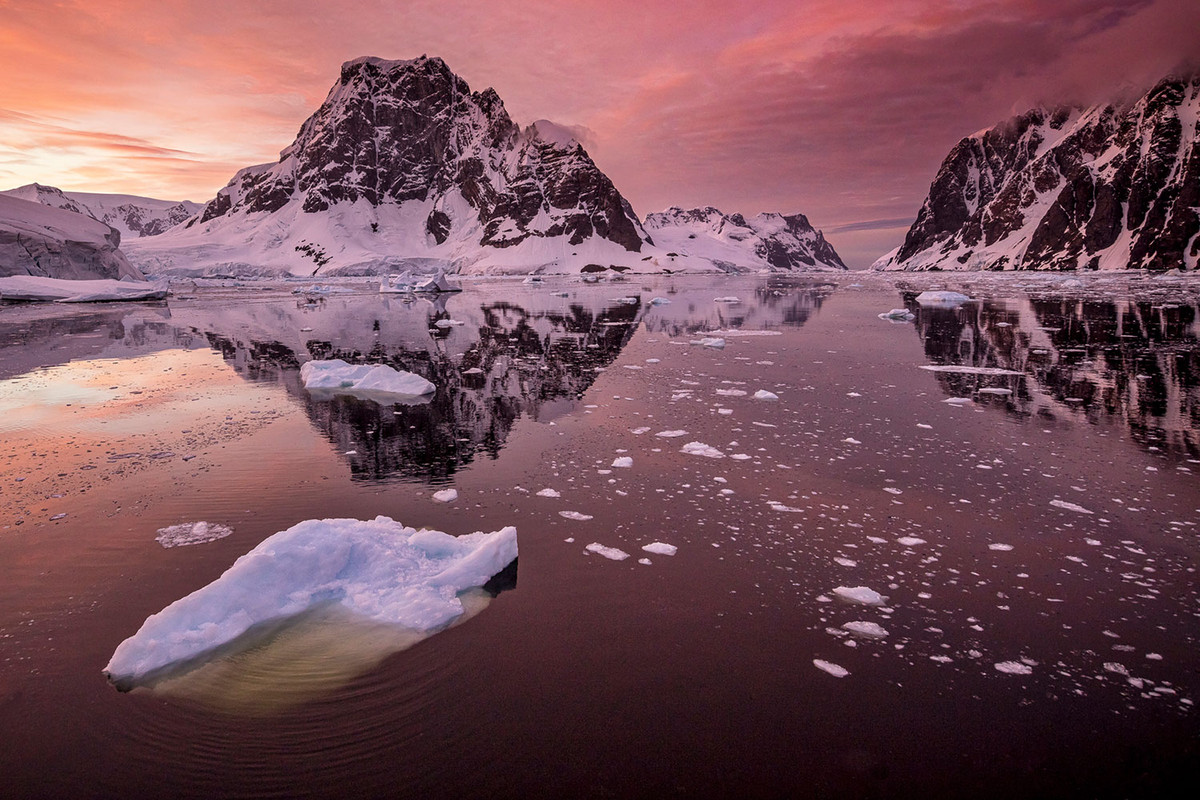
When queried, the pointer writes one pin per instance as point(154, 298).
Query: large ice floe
point(378, 570)
point(371, 381)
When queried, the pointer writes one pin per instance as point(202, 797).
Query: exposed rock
point(1115, 186)
point(403, 158)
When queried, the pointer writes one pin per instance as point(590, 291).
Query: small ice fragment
point(714, 342)
point(608, 552)
point(660, 548)
point(701, 449)
point(893, 490)
point(957, 401)
point(623, 461)
point(867, 630)
point(548, 493)
point(446, 495)
point(730, 299)
point(901, 314)
point(1114, 667)
point(845, 562)
point(575, 515)
point(763, 394)
point(910, 541)
point(1014, 668)
point(645, 561)
point(639, 431)
point(659, 301)
point(831, 668)
point(999, 546)
point(57, 516)
point(851, 440)
point(671, 434)
point(1063, 504)
point(859, 595)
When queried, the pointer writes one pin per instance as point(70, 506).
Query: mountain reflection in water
point(1109, 362)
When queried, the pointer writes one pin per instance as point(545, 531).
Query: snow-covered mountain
point(50, 242)
point(133, 216)
point(731, 242)
point(1114, 186)
point(404, 165)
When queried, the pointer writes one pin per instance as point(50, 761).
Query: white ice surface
point(189, 533)
point(860, 595)
point(660, 548)
point(942, 299)
point(369, 380)
point(32, 287)
point(833, 669)
point(608, 552)
point(378, 568)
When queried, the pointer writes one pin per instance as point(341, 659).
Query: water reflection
point(1108, 361)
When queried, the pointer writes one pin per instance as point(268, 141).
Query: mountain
point(401, 166)
point(49, 242)
point(1114, 186)
point(133, 216)
point(729, 241)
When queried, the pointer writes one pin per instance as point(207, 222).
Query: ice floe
point(1067, 506)
point(959, 368)
point(701, 449)
point(867, 630)
point(660, 548)
point(1014, 668)
point(897, 315)
point(189, 533)
point(38, 289)
point(378, 569)
point(943, 299)
point(763, 394)
point(575, 515)
point(446, 495)
point(548, 492)
point(608, 552)
point(372, 381)
point(859, 595)
point(833, 669)
point(622, 461)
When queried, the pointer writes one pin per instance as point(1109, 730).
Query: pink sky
point(840, 109)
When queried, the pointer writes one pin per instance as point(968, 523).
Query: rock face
point(768, 241)
point(1110, 187)
point(53, 243)
point(132, 216)
point(404, 161)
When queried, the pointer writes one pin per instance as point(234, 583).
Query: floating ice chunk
point(735, 332)
point(893, 490)
point(731, 392)
point(1116, 668)
point(701, 449)
point(189, 533)
point(714, 342)
point(623, 461)
point(608, 552)
point(376, 568)
point(867, 630)
point(996, 390)
point(942, 299)
point(897, 315)
point(446, 495)
point(547, 492)
point(659, 301)
point(781, 507)
point(957, 401)
point(1063, 504)
point(671, 434)
point(730, 299)
point(645, 561)
point(999, 546)
point(639, 431)
point(32, 287)
point(910, 541)
point(968, 370)
point(575, 515)
point(1014, 668)
point(763, 394)
point(851, 440)
point(831, 668)
point(447, 323)
point(436, 283)
point(859, 595)
point(660, 548)
point(368, 380)
point(741, 457)
point(845, 562)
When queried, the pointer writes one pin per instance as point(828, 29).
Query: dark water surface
point(1036, 540)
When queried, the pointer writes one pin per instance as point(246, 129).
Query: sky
point(838, 109)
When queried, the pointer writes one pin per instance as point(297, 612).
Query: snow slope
point(52, 243)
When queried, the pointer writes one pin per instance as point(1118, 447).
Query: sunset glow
point(839, 109)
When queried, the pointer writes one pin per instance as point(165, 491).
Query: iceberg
point(37, 289)
point(397, 284)
point(376, 569)
point(897, 315)
point(372, 381)
point(437, 283)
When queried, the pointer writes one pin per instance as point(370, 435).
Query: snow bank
point(378, 569)
point(34, 288)
point(373, 381)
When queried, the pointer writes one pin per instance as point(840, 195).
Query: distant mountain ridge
point(131, 215)
point(769, 241)
point(1114, 186)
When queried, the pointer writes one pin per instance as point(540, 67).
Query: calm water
point(1030, 512)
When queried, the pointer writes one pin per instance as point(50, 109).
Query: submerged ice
point(377, 569)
